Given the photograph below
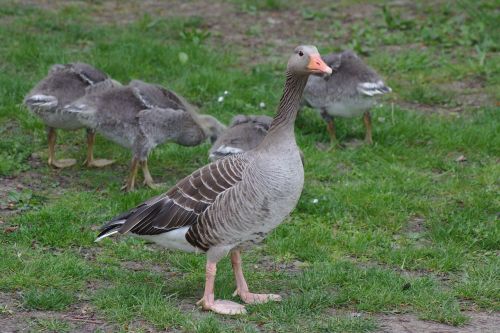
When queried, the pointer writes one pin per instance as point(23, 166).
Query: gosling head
point(211, 127)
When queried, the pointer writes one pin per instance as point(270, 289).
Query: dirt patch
point(151, 267)
point(353, 143)
point(342, 169)
point(266, 35)
point(233, 25)
point(90, 253)
point(481, 322)
point(16, 193)
point(403, 48)
point(268, 263)
point(437, 109)
point(31, 189)
point(416, 224)
point(469, 93)
point(31, 321)
point(8, 302)
point(81, 318)
point(441, 277)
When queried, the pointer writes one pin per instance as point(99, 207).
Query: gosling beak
point(317, 65)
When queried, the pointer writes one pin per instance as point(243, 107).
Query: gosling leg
point(60, 164)
point(90, 161)
point(367, 120)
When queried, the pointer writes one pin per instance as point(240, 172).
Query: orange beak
point(317, 65)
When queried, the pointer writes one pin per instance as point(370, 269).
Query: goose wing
point(183, 204)
point(87, 73)
point(161, 124)
point(152, 95)
point(372, 88)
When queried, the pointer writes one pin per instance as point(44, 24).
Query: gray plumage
point(244, 133)
point(350, 90)
point(141, 116)
point(63, 85)
point(233, 202)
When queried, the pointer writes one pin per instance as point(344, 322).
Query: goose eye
point(301, 53)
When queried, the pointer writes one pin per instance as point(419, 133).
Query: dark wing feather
point(153, 95)
point(182, 205)
point(87, 73)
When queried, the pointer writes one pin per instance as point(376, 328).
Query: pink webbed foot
point(222, 307)
point(251, 298)
point(98, 163)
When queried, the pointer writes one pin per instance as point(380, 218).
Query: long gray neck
point(282, 126)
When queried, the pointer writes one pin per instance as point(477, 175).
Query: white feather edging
point(373, 88)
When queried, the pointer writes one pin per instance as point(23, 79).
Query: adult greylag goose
point(235, 201)
point(63, 85)
point(141, 116)
point(348, 93)
point(244, 133)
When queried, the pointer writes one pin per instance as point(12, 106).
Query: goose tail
point(110, 228)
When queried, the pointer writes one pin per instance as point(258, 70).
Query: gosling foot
point(61, 164)
point(98, 163)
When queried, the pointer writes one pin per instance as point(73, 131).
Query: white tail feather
point(112, 232)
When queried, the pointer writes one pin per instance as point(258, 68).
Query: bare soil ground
point(14, 318)
point(481, 322)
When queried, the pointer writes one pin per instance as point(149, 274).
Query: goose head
point(211, 127)
point(306, 60)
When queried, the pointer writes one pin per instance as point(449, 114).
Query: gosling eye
point(301, 53)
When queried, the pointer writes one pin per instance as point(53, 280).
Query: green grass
point(397, 227)
point(51, 299)
point(51, 325)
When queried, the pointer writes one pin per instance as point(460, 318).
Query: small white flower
point(262, 105)
point(381, 119)
point(315, 201)
point(220, 99)
point(226, 92)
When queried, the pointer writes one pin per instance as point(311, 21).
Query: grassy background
point(398, 227)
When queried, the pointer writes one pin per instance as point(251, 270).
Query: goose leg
point(130, 184)
point(330, 126)
point(208, 301)
point(148, 179)
point(51, 135)
point(242, 287)
point(367, 120)
point(90, 161)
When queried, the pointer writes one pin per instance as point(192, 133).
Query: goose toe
point(223, 307)
point(251, 298)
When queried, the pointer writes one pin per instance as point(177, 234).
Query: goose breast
point(256, 205)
